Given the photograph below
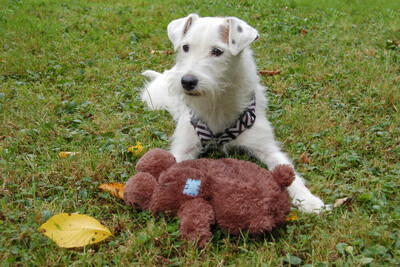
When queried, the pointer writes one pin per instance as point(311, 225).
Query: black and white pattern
point(245, 121)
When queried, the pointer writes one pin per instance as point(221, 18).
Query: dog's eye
point(216, 52)
point(185, 48)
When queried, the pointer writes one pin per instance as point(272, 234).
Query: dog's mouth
point(192, 93)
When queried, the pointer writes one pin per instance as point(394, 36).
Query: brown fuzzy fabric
point(169, 196)
point(155, 162)
point(139, 191)
point(285, 175)
point(196, 217)
point(237, 195)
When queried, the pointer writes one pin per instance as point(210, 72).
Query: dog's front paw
point(311, 204)
point(183, 157)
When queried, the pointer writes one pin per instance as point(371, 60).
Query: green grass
point(69, 81)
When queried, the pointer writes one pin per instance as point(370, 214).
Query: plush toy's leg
point(262, 223)
point(196, 217)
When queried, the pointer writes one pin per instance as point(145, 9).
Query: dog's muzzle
point(189, 82)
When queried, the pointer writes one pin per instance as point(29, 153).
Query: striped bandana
point(207, 138)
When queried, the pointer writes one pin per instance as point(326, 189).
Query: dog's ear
point(241, 35)
point(151, 74)
point(177, 29)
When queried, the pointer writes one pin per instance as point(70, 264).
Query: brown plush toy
point(235, 194)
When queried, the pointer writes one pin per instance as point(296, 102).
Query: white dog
point(215, 96)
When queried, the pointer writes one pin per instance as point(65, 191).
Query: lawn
point(70, 81)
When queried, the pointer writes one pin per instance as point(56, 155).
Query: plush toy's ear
point(155, 162)
point(284, 175)
point(177, 29)
point(241, 35)
point(139, 189)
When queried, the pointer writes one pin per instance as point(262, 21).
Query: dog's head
point(208, 49)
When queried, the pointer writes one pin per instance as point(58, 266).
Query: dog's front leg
point(260, 141)
point(300, 194)
point(185, 142)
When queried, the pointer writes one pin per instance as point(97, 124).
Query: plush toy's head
point(176, 185)
point(238, 195)
point(155, 162)
point(139, 189)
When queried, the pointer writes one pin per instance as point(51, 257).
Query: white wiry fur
point(225, 85)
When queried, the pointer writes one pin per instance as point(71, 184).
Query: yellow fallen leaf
point(115, 189)
point(293, 216)
point(136, 150)
point(74, 230)
point(65, 154)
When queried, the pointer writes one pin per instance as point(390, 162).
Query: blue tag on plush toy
point(192, 187)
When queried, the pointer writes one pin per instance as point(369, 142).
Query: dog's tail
point(156, 94)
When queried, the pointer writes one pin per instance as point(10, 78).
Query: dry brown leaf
point(305, 159)
point(269, 72)
point(166, 52)
point(393, 42)
point(115, 189)
point(303, 32)
point(392, 102)
point(340, 202)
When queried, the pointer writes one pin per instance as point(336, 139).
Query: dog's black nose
point(189, 82)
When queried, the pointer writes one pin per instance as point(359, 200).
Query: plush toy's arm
point(196, 217)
